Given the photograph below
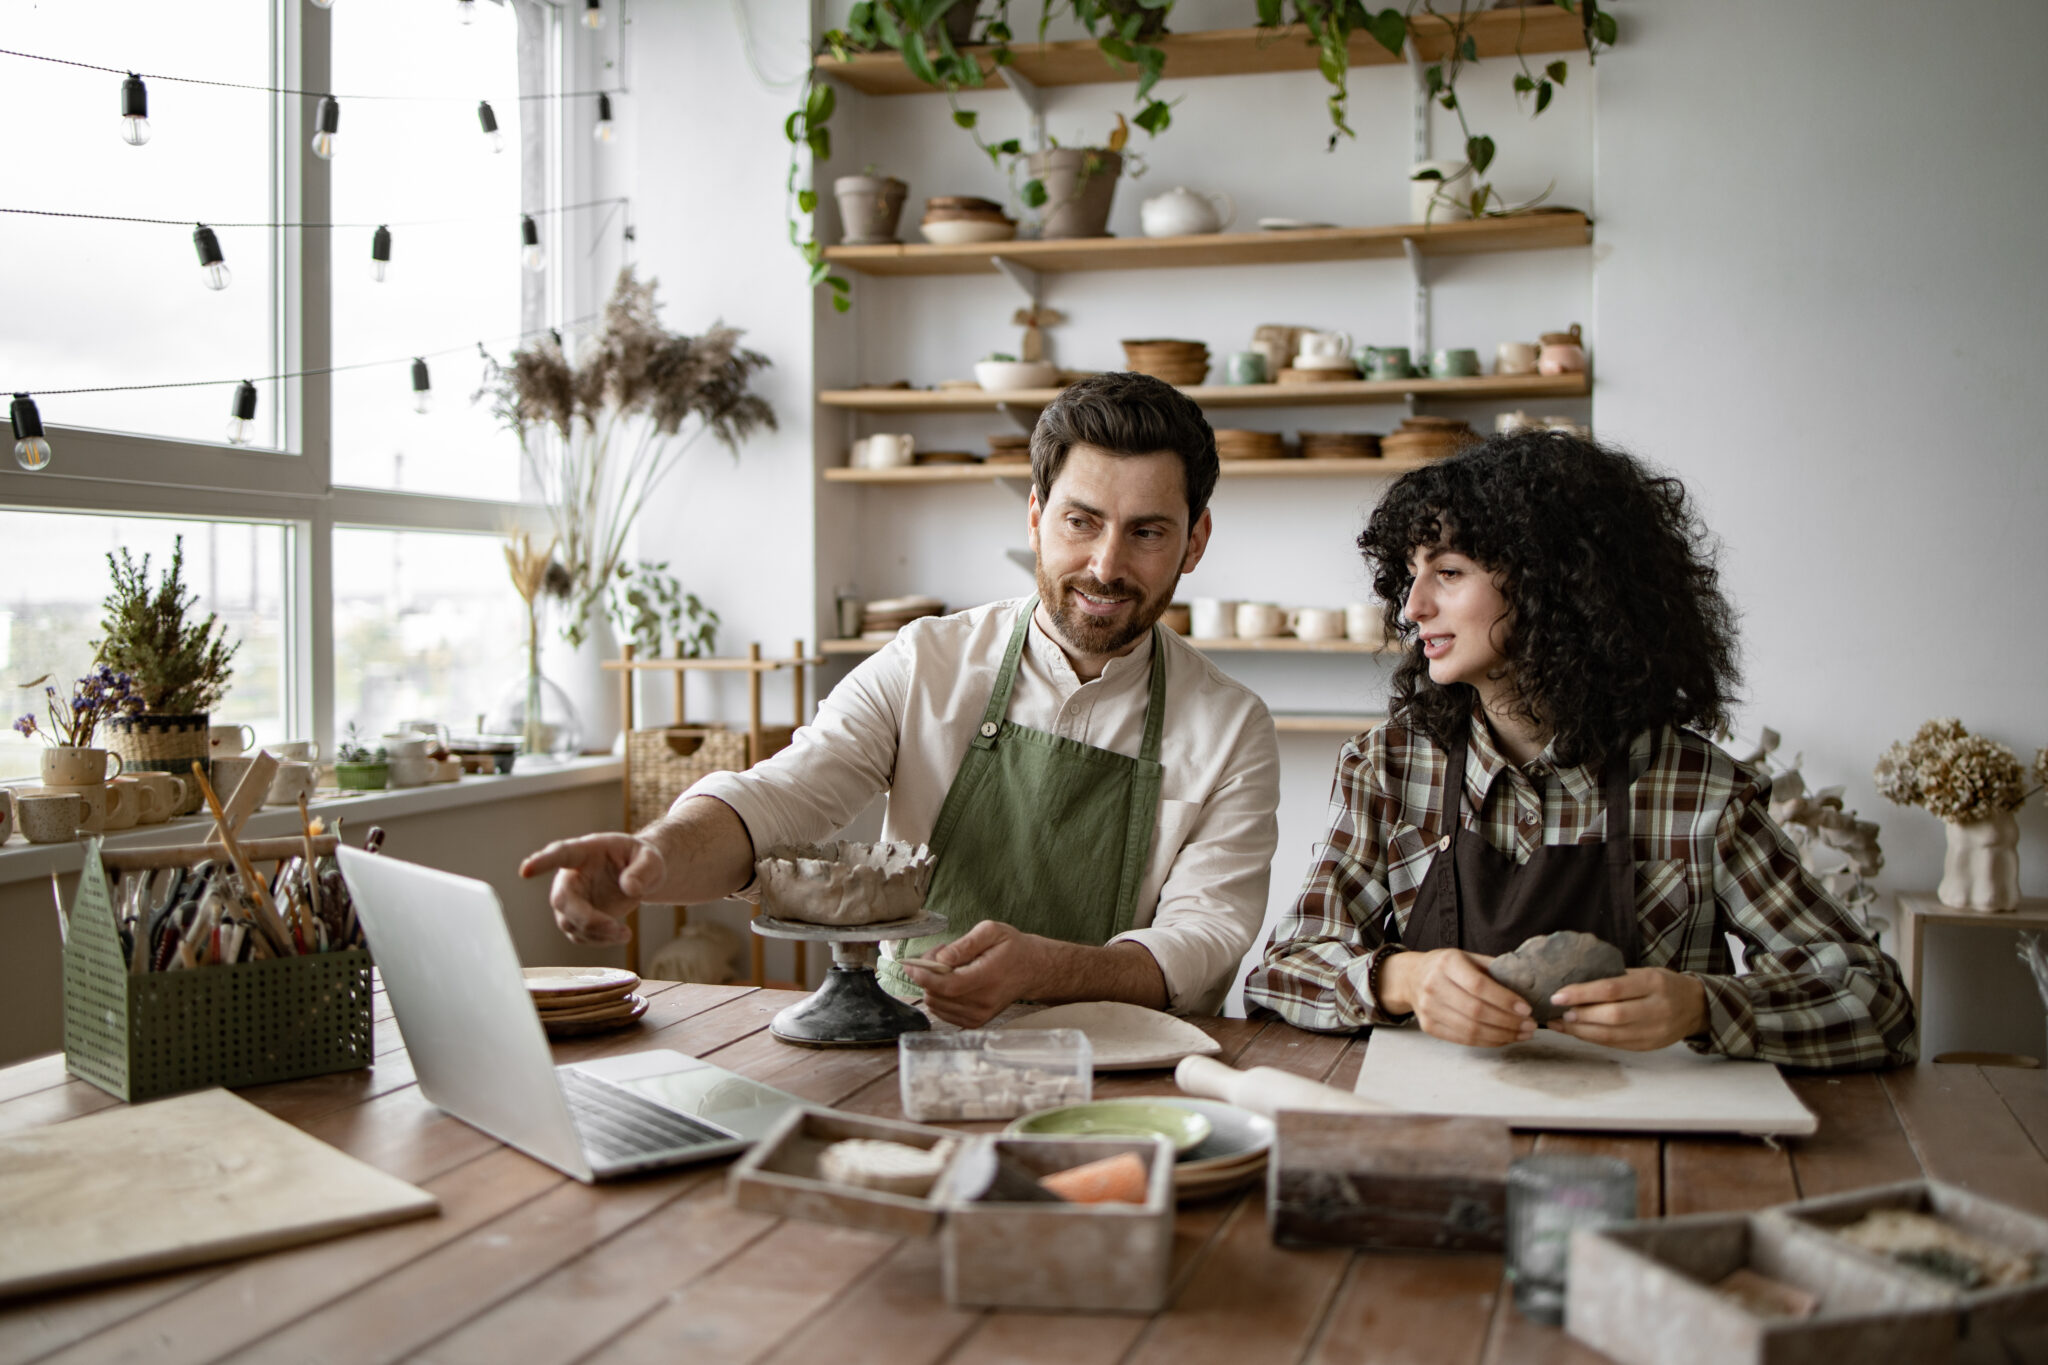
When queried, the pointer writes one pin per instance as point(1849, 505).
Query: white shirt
point(902, 721)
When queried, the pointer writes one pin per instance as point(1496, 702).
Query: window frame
point(121, 473)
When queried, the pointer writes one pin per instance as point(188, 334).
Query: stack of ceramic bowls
point(578, 1000)
point(1009, 447)
point(1427, 438)
point(1339, 445)
point(1233, 443)
point(883, 618)
point(953, 219)
point(1177, 362)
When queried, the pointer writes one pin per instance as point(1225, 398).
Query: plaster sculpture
point(844, 883)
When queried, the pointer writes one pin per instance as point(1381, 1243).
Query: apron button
point(988, 729)
point(1443, 843)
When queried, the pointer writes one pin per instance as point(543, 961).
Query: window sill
point(23, 861)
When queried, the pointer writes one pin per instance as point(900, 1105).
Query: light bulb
point(593, 14)
point(242, 415)
point(465, 10)
point(534, 256)
point(327, 123)
point(31, 450)
point(422, 387)
point(213, 265)
point(380, 253)
point(323, 4)
point(603, 131)
point(134, 111)
point(488, 121)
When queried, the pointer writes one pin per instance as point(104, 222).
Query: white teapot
point(1181, 212)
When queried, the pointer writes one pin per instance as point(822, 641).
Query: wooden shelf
point(1231, 469)
point(1226, 52)
point(1347, 392)
point(1278, 645)
point(1528, 232)
point(1326, 725)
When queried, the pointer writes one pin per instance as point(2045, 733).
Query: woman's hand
point(1643, 1009)
point(1452, 997)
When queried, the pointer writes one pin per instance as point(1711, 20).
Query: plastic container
point(993, 1073)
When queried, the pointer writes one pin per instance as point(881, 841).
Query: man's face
point(1112, 541)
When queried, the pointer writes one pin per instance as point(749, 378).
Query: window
point(407, 611)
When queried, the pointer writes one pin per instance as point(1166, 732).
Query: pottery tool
point(267, 921)
point(850, 1009)
point(1267, 1090)
point(1389, 1182)
point(930, 964)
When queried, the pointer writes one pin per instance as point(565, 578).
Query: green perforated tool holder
point(235, 1024)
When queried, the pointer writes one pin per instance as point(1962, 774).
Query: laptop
point(481, 1054)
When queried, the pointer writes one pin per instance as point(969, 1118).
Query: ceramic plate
point(1126, 1037)
point(578, 980)
point(1184, 1128)
point(576, 1028)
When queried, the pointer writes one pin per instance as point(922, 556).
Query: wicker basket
point(165, 744)
point(665, 763)
point(244, 1023)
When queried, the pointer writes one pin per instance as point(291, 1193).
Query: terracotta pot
point(1981, 868)
point(869, 207)
point(1079, 185)
point(67, 765)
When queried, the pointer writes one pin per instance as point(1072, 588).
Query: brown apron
point(1474, 896)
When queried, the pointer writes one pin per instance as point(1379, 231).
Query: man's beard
point(1092, 635)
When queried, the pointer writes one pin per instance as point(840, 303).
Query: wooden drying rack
point(754, 666)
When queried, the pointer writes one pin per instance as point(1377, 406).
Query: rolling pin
point(1266, 1089)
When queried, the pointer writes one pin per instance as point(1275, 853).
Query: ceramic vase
point(593, 693)
point(1981, 868)
point(1079, 184)
point(869, 207)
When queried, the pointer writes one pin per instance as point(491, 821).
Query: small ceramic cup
point(168, 792)
point(410, 770)
point(1211, 618)
point(95, 799)
point(293, 751)
point(1386, 362)
point(150, 806)
point(228, 774)
point(48, 817)
point(294, 779)
point(6, 815)
point(1316, 623)
point(1457, 362)
point(404, 745)
point(1259, 620)
point(1515, 357)
point(1247, 367)
point(66, 766)
point(884, 450)
point(226, 741)
point(1364, 625)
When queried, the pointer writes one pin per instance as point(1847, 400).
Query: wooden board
point(200, 1177)
point(1556, 1081)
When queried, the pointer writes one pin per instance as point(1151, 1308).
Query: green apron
point(1041, 831)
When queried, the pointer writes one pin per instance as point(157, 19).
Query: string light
point(31, 451)
point(380, 253)
point(534, 256)
point(593, 14)
point(329, 122)
point(489, 121)
point(242, 415)
point(323, 4)
point(603, 131)
point(211, 262)
point(422, 388)
point(134, 111)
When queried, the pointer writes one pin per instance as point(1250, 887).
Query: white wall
point(1815, 293)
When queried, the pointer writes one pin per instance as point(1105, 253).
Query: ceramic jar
point(1562, 353)
point(870, 205)
point(66, 765)
point(1079, 185)
point(1181, 212)
point(1980, 869)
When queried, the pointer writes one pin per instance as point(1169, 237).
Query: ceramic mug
point(1272, 354)
point(884, 450)
point(1259, 620)
point(1363, 624)
point(293, 751)
point(150, 804)
point(66, 766)
point(1323, 351)
point(94, 798)
point(1515, 357)
point(1316, 623)
point(1456, 362)
point(1247, 367)
point(48, 817)
point(294, 779)
point(226, 741)
point(1563, 353)
point(168, 791)
point(1211, 618)
point(228, 774)
point(404, 745)
point(6, 815)
point(1386, 362)
point(410, 770)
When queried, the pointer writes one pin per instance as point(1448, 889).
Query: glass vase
point(541, 714)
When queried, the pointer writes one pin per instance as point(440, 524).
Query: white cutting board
point(201, 1177)
point(1557, 1081)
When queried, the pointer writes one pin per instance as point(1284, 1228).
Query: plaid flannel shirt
point(1816, 990)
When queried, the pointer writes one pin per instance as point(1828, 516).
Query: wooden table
point(525, 1265)
point(1917, 910)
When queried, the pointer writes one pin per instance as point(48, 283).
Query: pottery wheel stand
point(851, 1009)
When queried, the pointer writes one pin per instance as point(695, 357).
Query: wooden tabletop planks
point(1859, 1143)
point(1720, 1174)
point(1963, 1132)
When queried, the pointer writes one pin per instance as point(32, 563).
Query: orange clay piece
point(1112, 1180)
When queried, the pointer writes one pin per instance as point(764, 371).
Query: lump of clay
point(844, 883)
point(890, 1167)
point(1549, 962)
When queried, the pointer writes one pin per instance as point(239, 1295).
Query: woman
point(1566, 644)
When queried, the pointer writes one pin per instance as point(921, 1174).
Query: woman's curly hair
point(1617, 622)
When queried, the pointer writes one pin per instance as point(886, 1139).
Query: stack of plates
point(1009, 447)
point(950, 219)
point(578, 1000)
point(1234, 443)
point(1428, 438)
point(1177, 362)
point(1342, 375)
point(1339, 445)
point(883, 618)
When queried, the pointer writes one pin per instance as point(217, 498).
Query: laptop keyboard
point(617, 1125)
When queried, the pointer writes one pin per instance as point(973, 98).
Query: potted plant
point(359, 767)
point(177, 666)
point(69, 757)
point(1973, 785)
point(1078, 184)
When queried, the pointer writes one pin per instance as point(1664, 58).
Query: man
point(1098, 797)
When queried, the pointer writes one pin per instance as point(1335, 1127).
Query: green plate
point(1117, 1118)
